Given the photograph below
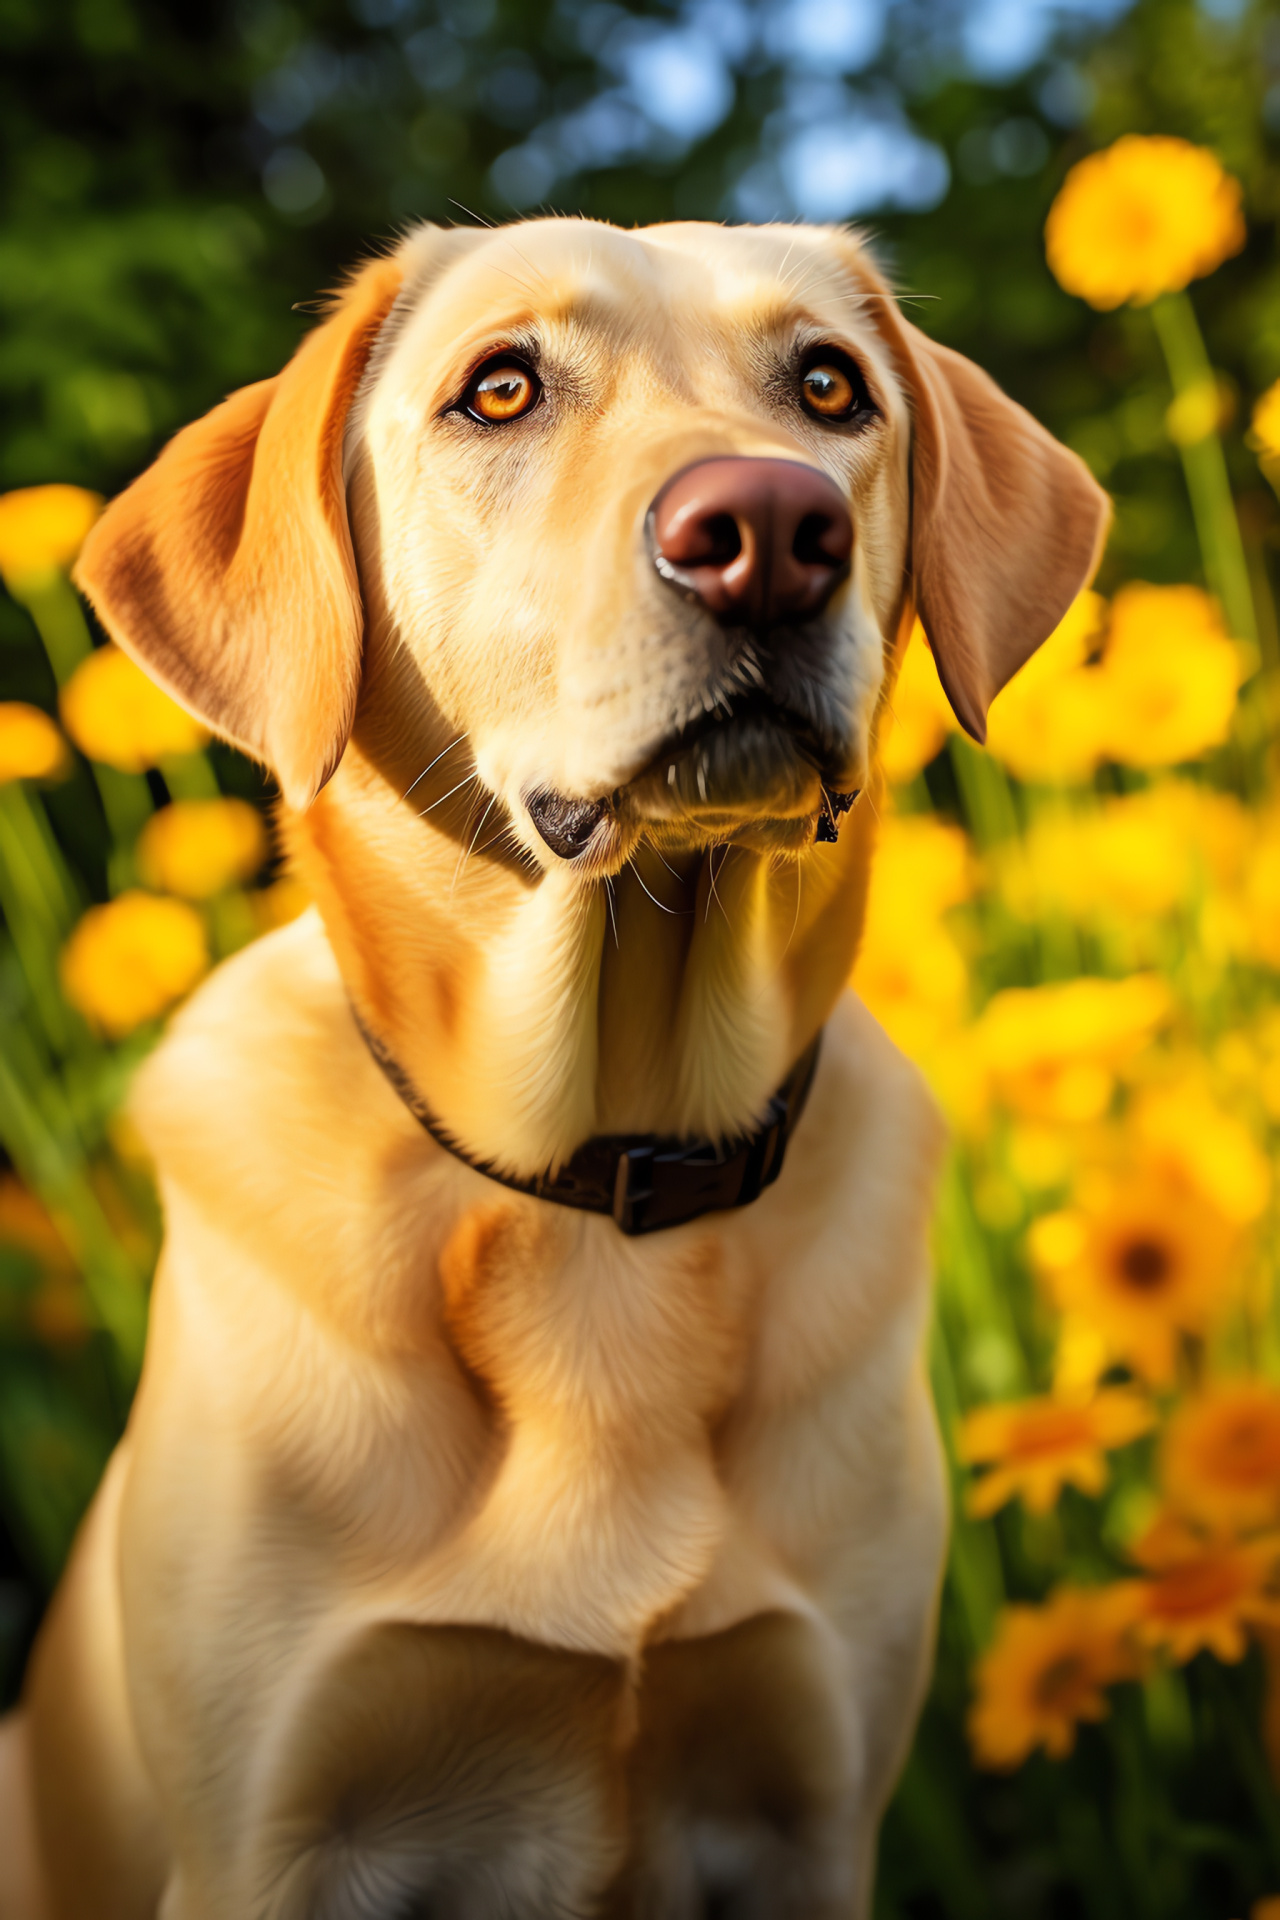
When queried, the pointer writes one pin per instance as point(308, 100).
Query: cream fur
point(461, 1550)
point(306, 1461)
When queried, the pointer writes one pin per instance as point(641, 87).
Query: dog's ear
point(227, 569)
point(1007, 525)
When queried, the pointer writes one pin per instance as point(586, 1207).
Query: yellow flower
point(1140, 1260)
point(918, 717)
point(1202, 1593)
point(1133, 857)
point(1264, 434)
point(1252, 914)
point(278, 904)
point(1262, 1053)
point(1220, 1455)
point(1172, 675)
point(1037, 1447)
point(1206, 406)
point(31, 747)
point(1266, 1909)
point(1183, 1129)
point(197, 848)
point(1145, 217)
point(42, 529)
point(1046, 1672)
point(1047, 723)
point(910, 972)
point(130, 960)
point(116, 715)
point(1050, 1052)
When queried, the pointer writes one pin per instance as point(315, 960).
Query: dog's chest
point(460, 1405)
point(606, 1367)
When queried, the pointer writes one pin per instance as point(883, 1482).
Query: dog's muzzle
point(761, 545)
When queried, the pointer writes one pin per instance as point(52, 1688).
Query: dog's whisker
point(472, 214)
point(448, 796)
point(435, 763)
point(537, 274)
point(514, 278)
point(457, 872)
point(613, 918)
point(506, 832)
point(711, 879)
point(677, 913)
point(518, 848)
point(796, 921)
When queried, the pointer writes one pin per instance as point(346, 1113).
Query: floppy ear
point(1007, 525)
point(227, 570)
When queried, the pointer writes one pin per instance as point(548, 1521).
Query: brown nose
point(758, 542)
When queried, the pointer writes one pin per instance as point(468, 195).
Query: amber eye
point(502, 391)
point(832, 389)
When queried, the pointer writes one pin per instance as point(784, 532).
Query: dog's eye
point(832, 388)
point(502, 390)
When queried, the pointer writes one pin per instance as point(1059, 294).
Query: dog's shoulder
point(263, 1069)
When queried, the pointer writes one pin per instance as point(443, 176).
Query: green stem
point(40, 1138)
point(190, 776)
point(1205, 465)
point(974, 1570)
point(45, 877)
point(51, 601)
point(39, 904)
point(126, 801)
point(966, 1282)
point(1247, 1752)
point(986, 793)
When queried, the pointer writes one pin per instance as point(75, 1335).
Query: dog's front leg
point(768, 1748)
point(97, 1819)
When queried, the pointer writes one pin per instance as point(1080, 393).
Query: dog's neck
point(532, 1009)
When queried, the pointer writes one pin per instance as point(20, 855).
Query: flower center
point(1249, 1449)
point(1198, 1588)
point(1059, 1684)
point(1051, 1430)
point(1145, 1265)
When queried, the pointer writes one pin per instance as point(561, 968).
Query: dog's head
point(606, 540)
point(640, 509)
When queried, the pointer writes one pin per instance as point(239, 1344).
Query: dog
point(533, 1505)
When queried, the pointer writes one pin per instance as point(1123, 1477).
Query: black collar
point(643, 1180)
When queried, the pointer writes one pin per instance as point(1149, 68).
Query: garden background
point(1076, 933)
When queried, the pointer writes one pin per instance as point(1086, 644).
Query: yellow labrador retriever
point(532, 1506)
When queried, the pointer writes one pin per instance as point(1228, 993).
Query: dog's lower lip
point(741, 708)
point(823, 756)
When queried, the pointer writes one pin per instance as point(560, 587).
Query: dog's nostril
point(759, 542)
point(723, 540)
point(813, 542)
point(566, 825)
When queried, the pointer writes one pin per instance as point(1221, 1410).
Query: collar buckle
point(643, 1181)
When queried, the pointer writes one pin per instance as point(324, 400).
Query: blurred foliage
point(178, 186)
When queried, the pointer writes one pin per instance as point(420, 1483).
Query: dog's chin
point(754, 779)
